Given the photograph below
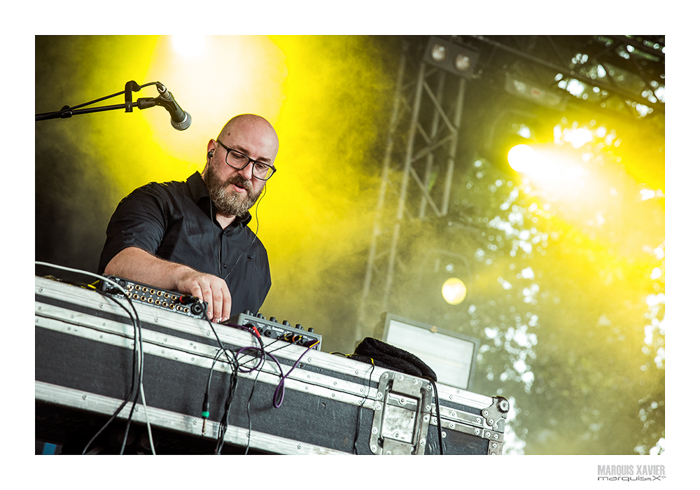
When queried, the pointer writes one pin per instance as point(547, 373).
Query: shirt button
point(224, 266)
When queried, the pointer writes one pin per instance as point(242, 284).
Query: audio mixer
point(161, 298)
point(194, 307)
point(277, 331)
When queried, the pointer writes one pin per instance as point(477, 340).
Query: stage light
point(533, 92)
point(454, 291)
point(188, 45)
point(451, 57)
point(462, 62)
point(521, 158)
point(450, 354)
point(443, 278)
point(438, 52)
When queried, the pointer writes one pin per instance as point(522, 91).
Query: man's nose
point(247, 171)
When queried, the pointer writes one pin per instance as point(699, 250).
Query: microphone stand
point(131, 86)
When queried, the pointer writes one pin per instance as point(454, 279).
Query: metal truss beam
point(629, 68)
point(417, 174)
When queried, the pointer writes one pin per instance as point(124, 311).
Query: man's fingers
point(226, 305)
point(212, 290)
point(202, 290)
point(209, 298)
point(217, 302)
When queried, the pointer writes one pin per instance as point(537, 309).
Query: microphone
point(180, 119)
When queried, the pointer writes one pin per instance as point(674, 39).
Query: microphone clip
point(179, 119)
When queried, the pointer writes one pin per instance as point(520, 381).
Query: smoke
point(73, 194)
point(317, 218)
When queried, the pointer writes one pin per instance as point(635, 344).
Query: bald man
point(192, 236)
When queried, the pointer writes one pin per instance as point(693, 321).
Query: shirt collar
point(200, 195)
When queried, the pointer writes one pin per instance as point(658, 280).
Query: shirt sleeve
point(140, 220)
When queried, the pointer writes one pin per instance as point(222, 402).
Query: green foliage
point(568, 314)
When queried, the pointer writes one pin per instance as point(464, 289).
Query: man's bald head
point(253, 125)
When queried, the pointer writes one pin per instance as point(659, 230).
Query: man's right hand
point(209, 288)
point(140, 266)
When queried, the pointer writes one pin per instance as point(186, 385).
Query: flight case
point(298, 401)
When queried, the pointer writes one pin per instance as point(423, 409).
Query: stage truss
point(620, 75)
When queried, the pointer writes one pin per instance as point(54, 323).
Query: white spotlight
point(188, 45)
point(462, 62)
point(438, 52)
point(521, 157)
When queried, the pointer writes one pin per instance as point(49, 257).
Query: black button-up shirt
point(176, 222)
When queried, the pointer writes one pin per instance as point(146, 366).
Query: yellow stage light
point(188, 45)
point(454, 291)
point(521, 157)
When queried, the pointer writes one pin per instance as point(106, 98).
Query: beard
point(232, 203)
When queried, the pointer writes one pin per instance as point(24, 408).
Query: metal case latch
point(495, 417)
point(401, 415)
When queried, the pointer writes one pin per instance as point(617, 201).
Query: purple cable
point(260, 361)
point(281, 383)
point(280, 386)
point(258, 365)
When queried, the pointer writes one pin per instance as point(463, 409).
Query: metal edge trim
point(202, 355)
point(58, 395)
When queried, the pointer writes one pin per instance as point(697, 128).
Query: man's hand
point(140, 266)
point(211, 289)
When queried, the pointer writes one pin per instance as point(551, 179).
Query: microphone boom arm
point(131, 86)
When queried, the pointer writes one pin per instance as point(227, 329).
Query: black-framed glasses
point(239, 161)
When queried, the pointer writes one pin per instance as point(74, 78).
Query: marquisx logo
point(631, 472)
